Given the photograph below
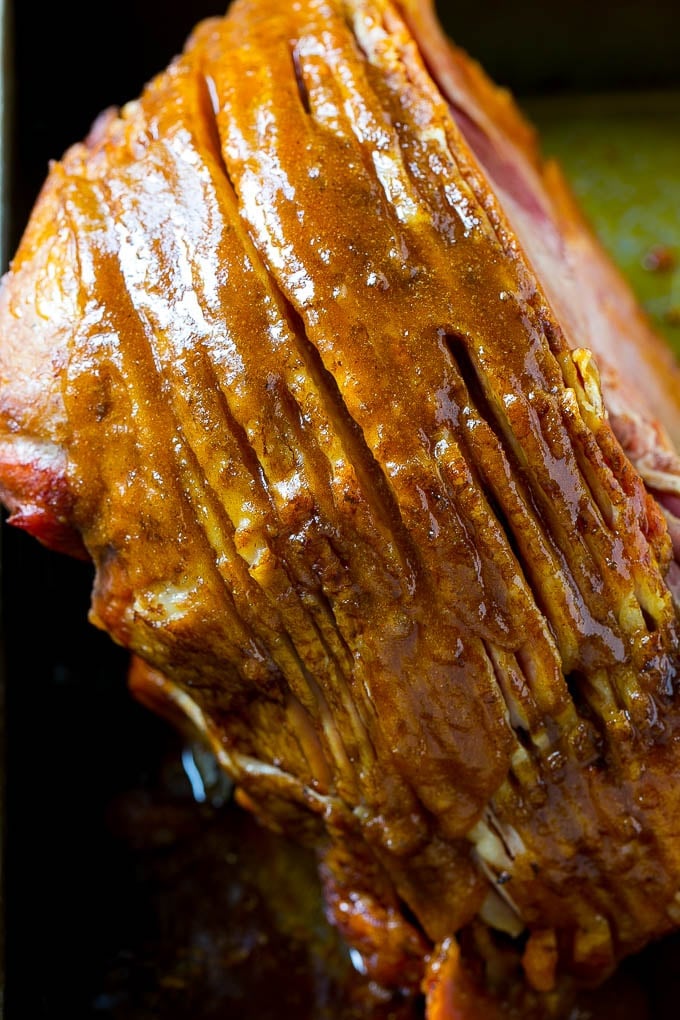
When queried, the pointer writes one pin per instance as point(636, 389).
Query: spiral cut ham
point(374, 456)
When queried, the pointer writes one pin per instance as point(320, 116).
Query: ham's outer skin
point(374, 455)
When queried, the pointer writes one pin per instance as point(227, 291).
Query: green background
point(621, 153)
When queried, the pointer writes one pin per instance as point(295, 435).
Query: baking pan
point(133, 887)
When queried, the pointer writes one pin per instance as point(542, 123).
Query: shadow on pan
point(120, 869)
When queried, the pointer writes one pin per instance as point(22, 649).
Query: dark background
point(74, 739)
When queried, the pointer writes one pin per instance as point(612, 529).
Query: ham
point(374, 456)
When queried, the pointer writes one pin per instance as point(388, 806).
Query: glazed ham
point(374, 456)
